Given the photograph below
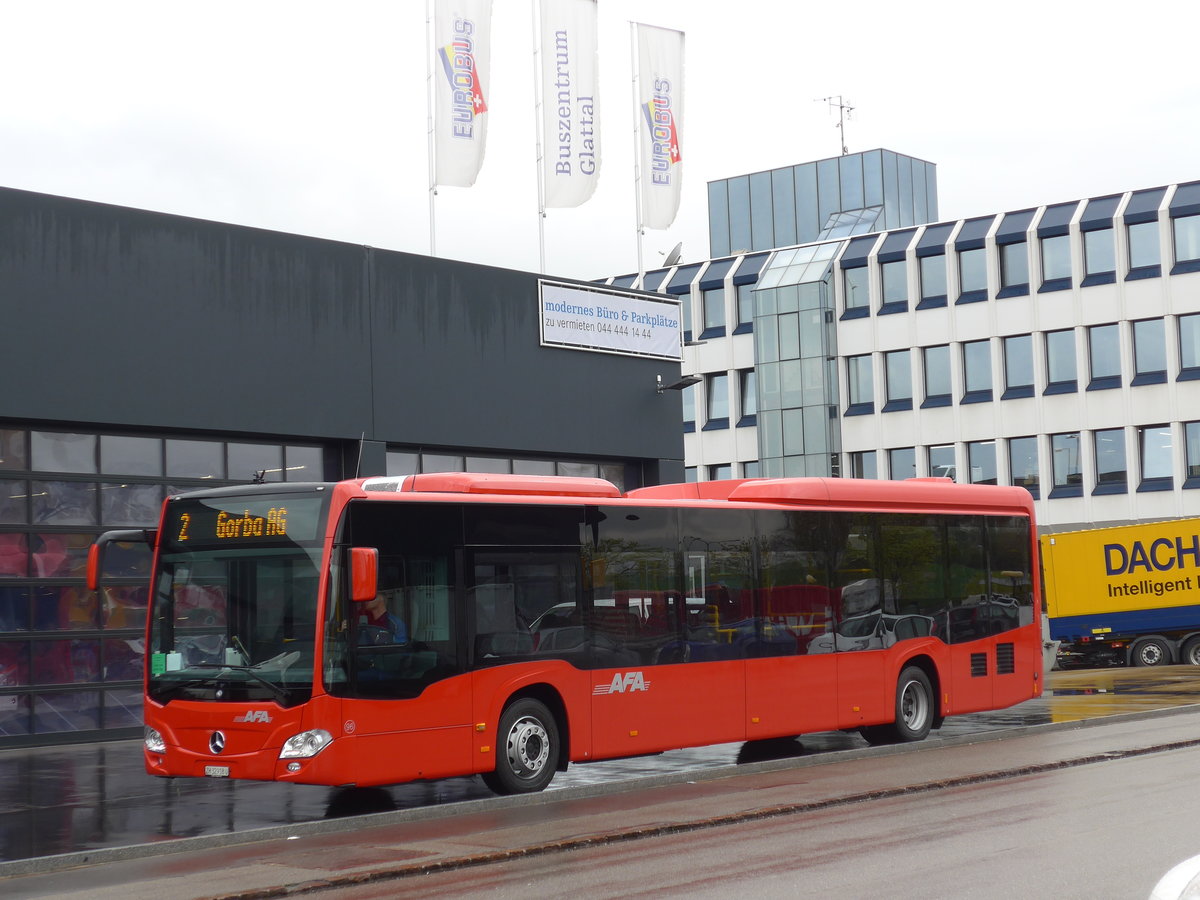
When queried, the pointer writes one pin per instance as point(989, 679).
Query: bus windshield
point(235, 599)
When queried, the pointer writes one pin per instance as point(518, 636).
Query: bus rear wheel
point(914, 711)
point(527, 753)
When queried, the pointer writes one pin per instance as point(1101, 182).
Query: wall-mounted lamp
point(685, 381)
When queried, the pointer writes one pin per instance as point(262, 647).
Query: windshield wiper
point(280, 693)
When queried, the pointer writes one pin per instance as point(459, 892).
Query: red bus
point(385, 630)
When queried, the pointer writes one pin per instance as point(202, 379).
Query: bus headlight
point(306, 744)
point(153, 740)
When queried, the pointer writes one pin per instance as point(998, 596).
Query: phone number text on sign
point(606, 321)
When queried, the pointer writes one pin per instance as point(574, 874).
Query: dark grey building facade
point(147, 353)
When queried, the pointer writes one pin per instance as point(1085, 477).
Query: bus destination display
point(284, 519)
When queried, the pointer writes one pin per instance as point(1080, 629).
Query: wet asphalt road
point(64, 800)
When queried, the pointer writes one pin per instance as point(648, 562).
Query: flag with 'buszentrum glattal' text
point(660, 117)
point(462, 31)
point(570, 107)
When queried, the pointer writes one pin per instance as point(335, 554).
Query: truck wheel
point(1151, 652)
point(528, 749)
point(1191, 651)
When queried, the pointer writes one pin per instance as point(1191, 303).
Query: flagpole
point(430, 50)
point(539, 135)
point(637, 147)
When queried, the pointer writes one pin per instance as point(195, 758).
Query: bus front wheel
point(527, 752)
point(914, 711)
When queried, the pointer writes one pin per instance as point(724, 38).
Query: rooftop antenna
point(844, 110)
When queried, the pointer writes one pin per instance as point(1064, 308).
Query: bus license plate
point(216, 771)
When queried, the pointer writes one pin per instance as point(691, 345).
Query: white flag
point(660, 117)
point(462, 32)
point(570, 113)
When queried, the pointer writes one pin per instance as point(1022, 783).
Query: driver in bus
point(380, 625)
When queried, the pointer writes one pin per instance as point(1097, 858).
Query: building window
point(716, 394)
point(1068, 472)
point(689, 474)
point(1104, 357)
point(933, 281)
point(1149, 352)
point(1110, 461)
point(1154, 447)
point(685, 307)
point(689, 408)
point(981, 458)
point(857, 289)
point(972, 275)
point(897, 372)
point(1145, 261)
point(1189, 347)
point(1023, 463)
point(977, 371)
point(721, 472)
point(714, 313)
point(862, 464)
point(748, 391)
point(1191, 441)
point(860, 384)
point(1018, 366)
point(1056, 262)
point(941, 462)
point(1061, 374)
point(1186, 230)
point(1014, 269)
point(1099, 257)
point(938, 384)
point(752, 469)
point(894, 276)
point(745, 305)
point(902, 463)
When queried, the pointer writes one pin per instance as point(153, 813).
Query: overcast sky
point(310, 117)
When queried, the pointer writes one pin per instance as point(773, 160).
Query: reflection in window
point(981, 457)
point(1149, 352)
point(63, 503)
point(933, 280)
point(1191, 442)
point(689, 406)
point(12, 449)
point(1067, 463)
point(53, 451)
point(1187, 238)
point(246, 460)
point(745, 302)
point(941, 462)
point(14, 502)
point(1143, 245)
point(856, 283)
point(1104, 357)
point(748, 391)
point(895, 285)
point(862, 464)
point(1018, 366)
point(902, 463)
point(898, 375)
point(714, 311)
point(1056, 260)
point(1110, 461)
point(1060, 362)
point(1189, 346)
point(716, 389)
point(972, 271)
point(1099, 254)
point(937, 375)
point(130, 504)
point(860, 384)
point(1023, 462)
point(1014, 268)
point(130, 455)
point(977, 371)
point(1154, 443)
point(195, 459)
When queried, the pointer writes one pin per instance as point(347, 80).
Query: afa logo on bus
point(622, 682)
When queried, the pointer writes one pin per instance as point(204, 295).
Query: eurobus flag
point(462, 31)
point(570, 113)
point(660, 117)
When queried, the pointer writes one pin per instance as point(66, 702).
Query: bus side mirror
point(364, 573)
point(95, 560)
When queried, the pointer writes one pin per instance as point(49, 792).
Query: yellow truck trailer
point(1128, 595)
